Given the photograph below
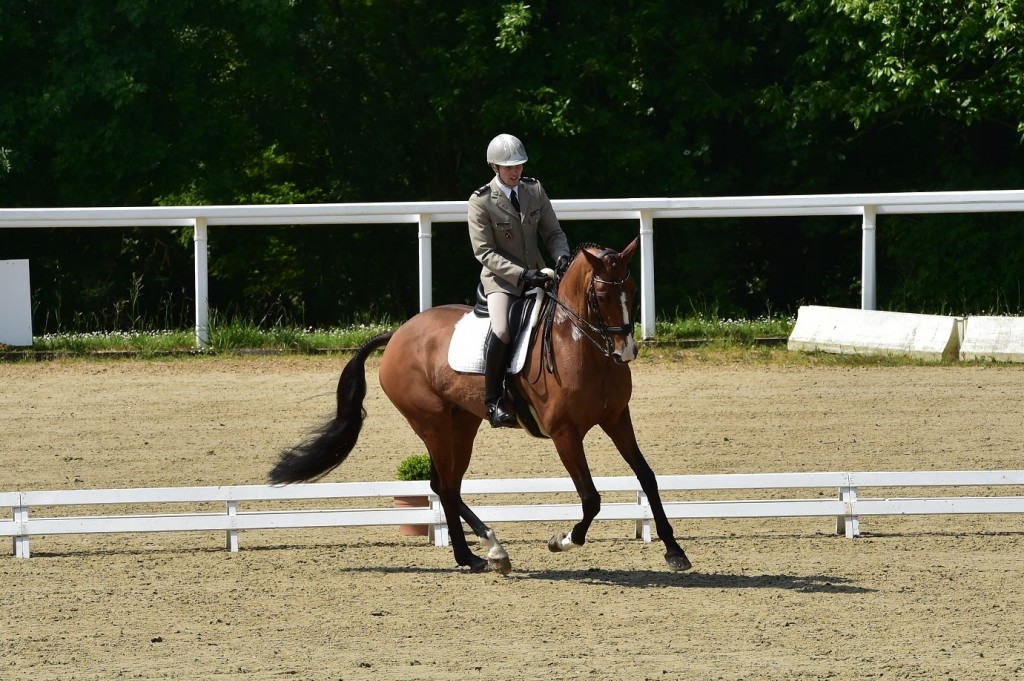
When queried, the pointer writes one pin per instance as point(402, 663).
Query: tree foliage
point(957, 60)
point(138, 102)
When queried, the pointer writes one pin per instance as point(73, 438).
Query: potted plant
point(414, 467)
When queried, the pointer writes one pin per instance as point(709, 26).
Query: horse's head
point(601, 276)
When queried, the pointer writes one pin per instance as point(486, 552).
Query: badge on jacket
point(507, 228)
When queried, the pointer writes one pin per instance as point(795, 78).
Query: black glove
point(534, 278)
point(562, 265)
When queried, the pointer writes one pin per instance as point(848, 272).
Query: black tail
point(331, 443)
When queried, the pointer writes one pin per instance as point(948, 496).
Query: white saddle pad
point(466, 349)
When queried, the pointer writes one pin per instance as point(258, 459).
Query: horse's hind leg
point(621, 433)
point(450, 443)
point(464, 429)
point(497, 556)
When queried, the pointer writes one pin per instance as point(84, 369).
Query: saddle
point(518, 312)
point(465, 352)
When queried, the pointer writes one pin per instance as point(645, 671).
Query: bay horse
point(576, 377)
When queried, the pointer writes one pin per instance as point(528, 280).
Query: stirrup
point(499, 418)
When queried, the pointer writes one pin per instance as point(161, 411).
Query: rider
point(506, 217)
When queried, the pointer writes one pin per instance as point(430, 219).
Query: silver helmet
point(506, 150)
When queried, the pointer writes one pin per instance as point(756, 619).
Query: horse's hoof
point(557, 542)
point(477, 564)
point(678, 561)
point(502, 566)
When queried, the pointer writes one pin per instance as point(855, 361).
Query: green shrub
point(414, 467)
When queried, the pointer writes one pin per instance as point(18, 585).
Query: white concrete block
point(871, 332)
point(15, 303)
point(999, 339)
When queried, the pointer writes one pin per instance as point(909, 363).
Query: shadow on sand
point(701, 580)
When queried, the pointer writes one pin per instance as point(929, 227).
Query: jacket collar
point(503, 201)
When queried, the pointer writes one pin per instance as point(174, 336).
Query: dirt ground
point(913, 598)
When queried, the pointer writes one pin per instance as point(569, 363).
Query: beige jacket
point(505, 243)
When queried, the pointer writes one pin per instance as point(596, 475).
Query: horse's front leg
point(570, 450)
point(620, 430)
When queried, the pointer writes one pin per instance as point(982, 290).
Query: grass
point(146, 343)
point(237, 336)
point(701, 339)
point(234, 337)
point(705, 328)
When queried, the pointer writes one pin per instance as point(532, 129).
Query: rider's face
point(509, 175)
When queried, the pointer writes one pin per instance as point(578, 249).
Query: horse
point(576, 376)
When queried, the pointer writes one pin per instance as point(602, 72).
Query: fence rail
point(426, 213)
point(846, 506)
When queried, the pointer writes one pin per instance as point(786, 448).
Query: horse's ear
point(629, 251)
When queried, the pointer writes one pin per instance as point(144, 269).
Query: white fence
point(424, 214)
point(847, 505)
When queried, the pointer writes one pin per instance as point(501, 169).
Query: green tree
point(134, 102)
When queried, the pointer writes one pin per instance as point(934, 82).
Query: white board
point(999, 339)
point(871, 332)
point(15, 303)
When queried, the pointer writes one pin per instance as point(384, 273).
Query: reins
point(592, 333)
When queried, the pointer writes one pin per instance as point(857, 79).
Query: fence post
point(647, 323)
point(643, 527)
point(233, 533)
point(21, 549)
point(202, 284)
point(438, 533)
point(867, 263)
point(426, 268)
point(848, 524)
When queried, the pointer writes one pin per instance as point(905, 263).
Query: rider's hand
point(562, 265)
point(534, 278)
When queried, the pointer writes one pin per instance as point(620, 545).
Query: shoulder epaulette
point(483, 190)
point(528, 180)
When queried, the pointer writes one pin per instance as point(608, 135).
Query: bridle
point(605, 330)
point(600, 335)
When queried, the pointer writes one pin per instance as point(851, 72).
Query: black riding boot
point(494, 371)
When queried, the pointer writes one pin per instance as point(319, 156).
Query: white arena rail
point(847, 506)
point(426, 213)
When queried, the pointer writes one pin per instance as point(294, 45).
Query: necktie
point(515, 201)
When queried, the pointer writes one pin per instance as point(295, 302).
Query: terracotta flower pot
point(413, 502)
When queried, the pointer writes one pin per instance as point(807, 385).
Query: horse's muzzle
point(627, 353)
